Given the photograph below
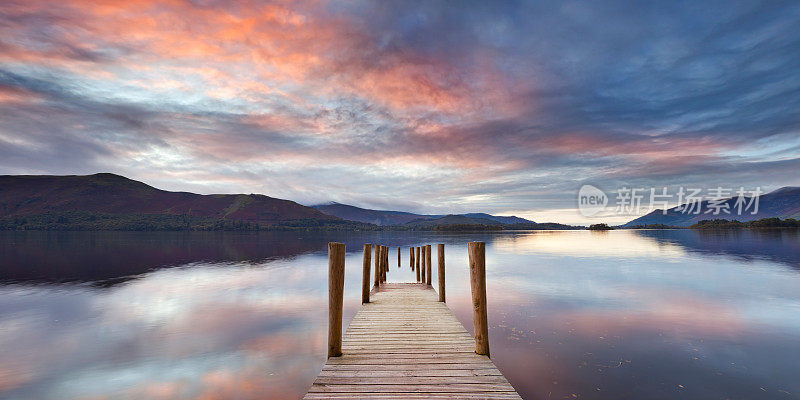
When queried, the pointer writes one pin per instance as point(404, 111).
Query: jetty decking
point(406, 344)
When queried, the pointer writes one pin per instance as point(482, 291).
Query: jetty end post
point(398, 256)
point(365, 278)
point(411, 257)
point(377, 263)
point(428, 263)
point(336, 253)
point(421, 263)
point(440, 252)
point(424, 259)
point(385, 262)
point(417, 263)
point(477, 279)
point(380, 265)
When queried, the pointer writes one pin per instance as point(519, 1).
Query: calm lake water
point(654, 314)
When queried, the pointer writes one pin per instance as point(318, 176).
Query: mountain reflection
point(50, 257)
point(776, 245)
point(609, 315)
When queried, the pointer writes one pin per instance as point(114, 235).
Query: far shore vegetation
point(89, 221)
point(757, 224)
point(763, 223)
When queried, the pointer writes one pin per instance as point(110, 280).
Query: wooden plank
point(406, 388)
point(420, 373)
point(405, 344)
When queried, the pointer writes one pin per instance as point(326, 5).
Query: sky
point(422, 106)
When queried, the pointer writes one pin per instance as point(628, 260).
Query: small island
point(762, 223)
point(600, 227)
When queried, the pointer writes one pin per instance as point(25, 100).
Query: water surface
point(662, 314)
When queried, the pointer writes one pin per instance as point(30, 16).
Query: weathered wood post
point(365, 278)
point(398, 257)
point(477, 278)
point(336, 252)
point(428, 264)
point(440, 251)
point(380, 264)
point(377, 263)
point(411, 257)
point(385, 262)
point(417, 263)
point(422, 262)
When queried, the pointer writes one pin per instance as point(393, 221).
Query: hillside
point(365, 215)
point(40, 198)
point(782, 203)
point(451, 220)
point(386, 217)
point(499, 219)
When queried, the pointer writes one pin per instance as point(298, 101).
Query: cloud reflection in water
point(648, 314)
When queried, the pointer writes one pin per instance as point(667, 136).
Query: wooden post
point(422, 264)
point(477, 278)
point(425, 264)
point(377, 263)
point(336, 252)
point(428, 264)
point(384, 250)
point(385, 261)
point(411, 257)
point(398, 257)
point(380, 265)
point(417, 263)
point(365, 279)
point(440, 251)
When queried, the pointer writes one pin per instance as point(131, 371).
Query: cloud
point(485, 107)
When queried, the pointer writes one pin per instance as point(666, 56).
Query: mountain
point(501, 219)
point(781, 203)
point(377, 217)
point(384, 217)
point(109, 196)
point(450, 220)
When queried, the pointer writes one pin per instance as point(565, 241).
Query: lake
point(657, 314)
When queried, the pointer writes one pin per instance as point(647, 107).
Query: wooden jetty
point(404, 342)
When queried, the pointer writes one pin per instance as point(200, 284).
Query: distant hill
point(451, 220)
point(782, 203)
point(112, 202)
point(501, 219)
point(377, 217)
point(385, 217)
point(465, 223)
point(107, 200)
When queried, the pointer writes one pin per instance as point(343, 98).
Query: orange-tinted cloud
point(252, 88)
